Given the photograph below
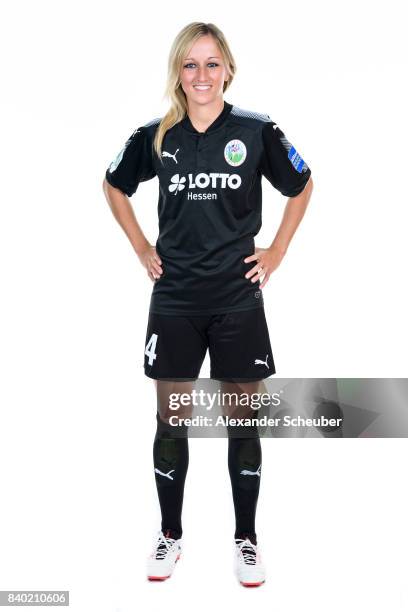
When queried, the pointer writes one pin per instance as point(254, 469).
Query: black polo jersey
point(210, 204)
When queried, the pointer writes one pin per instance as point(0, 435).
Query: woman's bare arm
point(124, 214)
point(269, 259)
point(292, 216)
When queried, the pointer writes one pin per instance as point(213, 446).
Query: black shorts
point(238, 343)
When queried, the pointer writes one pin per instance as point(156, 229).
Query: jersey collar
point(218, 122)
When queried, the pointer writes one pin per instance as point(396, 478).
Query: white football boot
point(164, 557)
point(248, 565)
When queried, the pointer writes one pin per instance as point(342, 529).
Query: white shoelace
point(163, 546)
point(247, 550)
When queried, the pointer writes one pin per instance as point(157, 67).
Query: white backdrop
point(78, 505)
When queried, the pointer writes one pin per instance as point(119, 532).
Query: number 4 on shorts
point(150, 348)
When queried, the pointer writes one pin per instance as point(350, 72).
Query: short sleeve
point(281, 163)
point(133, 164)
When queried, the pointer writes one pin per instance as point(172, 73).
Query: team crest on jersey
point(235, 152)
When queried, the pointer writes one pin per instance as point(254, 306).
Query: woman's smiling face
point(203, 71)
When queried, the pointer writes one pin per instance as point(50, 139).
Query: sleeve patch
point(115, 163)
point(296, 160)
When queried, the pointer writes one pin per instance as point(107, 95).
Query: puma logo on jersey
point(259, 361)
point(163, 474)
point(172, 155)
point(249, 473)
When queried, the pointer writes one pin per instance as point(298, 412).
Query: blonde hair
point(174, 92)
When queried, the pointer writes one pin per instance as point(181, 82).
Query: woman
point(209, 157)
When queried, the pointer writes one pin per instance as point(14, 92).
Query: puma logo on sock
point(249, 473)
point(163, 474)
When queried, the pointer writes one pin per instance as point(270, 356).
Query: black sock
point(244, 464)
point(170, 458)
